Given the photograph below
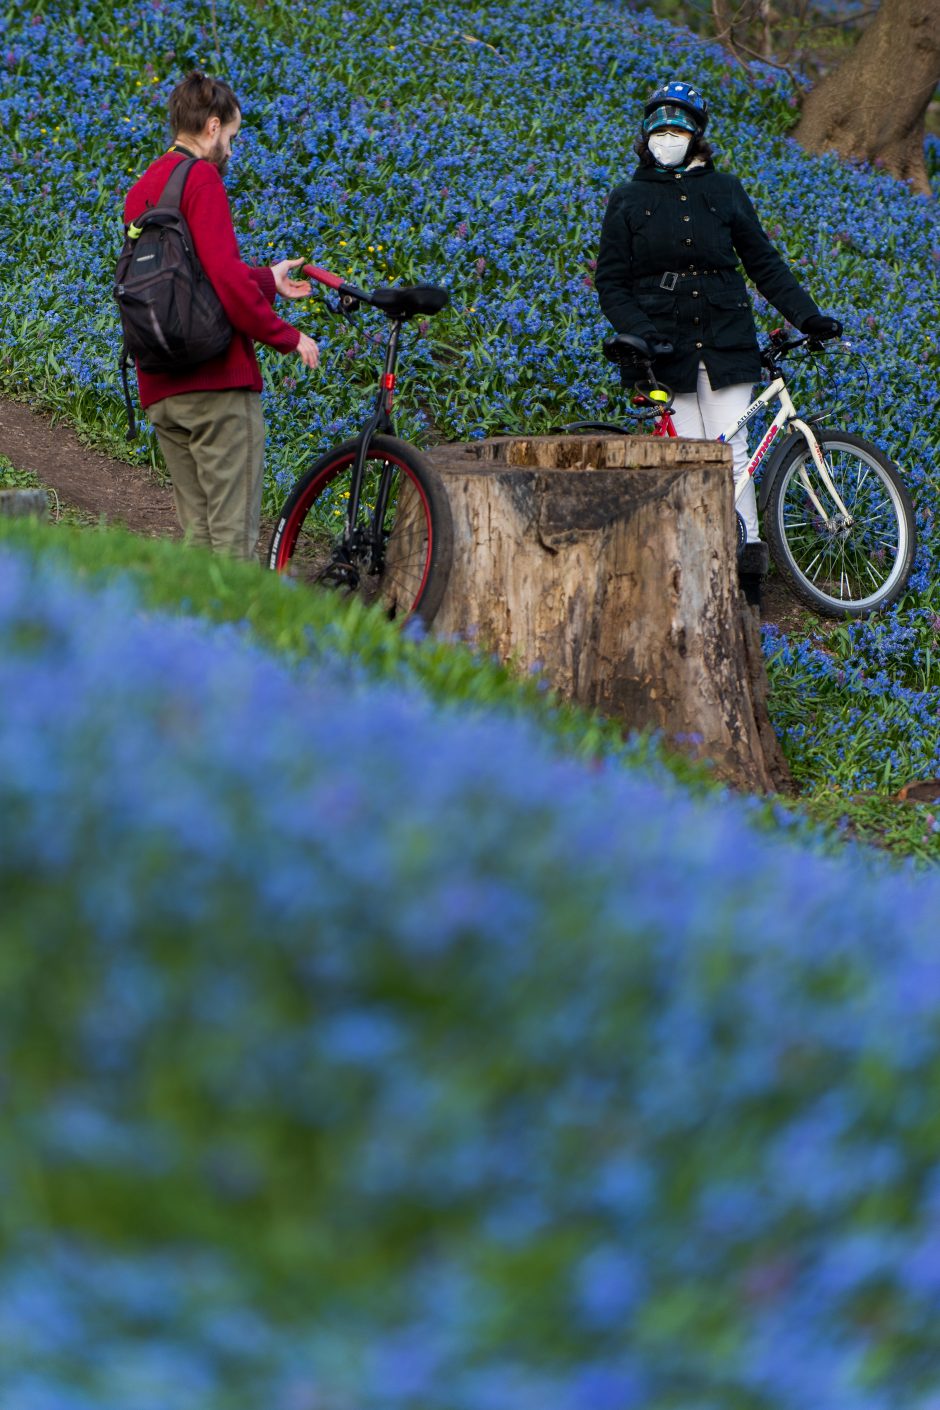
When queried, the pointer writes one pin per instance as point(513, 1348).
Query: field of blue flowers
point(473, 145)
point(365, 1052)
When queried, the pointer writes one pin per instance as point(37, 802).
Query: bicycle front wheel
point(402, 562)
point(848, 559)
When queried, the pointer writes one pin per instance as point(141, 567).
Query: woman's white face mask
point(670, 149)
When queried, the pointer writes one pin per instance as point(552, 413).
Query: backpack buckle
point(674, 278)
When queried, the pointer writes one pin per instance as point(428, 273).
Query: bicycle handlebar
point(779, 343)
point(397, 302)
point(333, 281)
point(323, 276)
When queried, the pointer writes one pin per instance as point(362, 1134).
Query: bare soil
point(85, 479)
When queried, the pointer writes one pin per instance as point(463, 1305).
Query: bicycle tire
point(740, 531)
point(418, 536)
point(842, 569)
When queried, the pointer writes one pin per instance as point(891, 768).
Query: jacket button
point(683, 197)
point(686, 217)
point(695, 293)
point(696, 319)
point(698, 345)
point(647, 212)
point(686, 242)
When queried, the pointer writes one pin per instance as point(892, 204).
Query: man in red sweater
point(208, 418)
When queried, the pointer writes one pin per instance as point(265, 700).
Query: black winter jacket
point(668, 265)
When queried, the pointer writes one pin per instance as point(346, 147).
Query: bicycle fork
point(786, 419)
point(823, 470)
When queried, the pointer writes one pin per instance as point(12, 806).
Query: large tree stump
point(610, 563)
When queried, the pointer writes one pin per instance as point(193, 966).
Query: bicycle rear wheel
point(402, 563)
point(841, 565)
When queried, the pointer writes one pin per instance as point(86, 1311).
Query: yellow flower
point(342, 244)
point(42, 129)
point(380, 247)
point(371, 249)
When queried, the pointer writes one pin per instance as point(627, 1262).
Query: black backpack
point(171, 316)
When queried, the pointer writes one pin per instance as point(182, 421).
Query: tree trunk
point(610, 565)
point(872, 107)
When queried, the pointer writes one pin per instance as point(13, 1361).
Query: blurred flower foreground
point(361, 1054)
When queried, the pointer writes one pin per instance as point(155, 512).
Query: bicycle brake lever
point(343, 308)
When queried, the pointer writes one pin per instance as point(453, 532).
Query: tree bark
point(610, 565)
point(872, 107)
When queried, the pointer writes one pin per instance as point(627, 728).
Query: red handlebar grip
point(324, 276)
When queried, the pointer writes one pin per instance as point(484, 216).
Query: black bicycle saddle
point(411, 299)
point(624, 347)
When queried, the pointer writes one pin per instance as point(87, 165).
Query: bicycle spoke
point(809, 570)
point(854, 554)
point(385, 561)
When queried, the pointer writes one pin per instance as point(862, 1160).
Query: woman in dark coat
point(668, 271)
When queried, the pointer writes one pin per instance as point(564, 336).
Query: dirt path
point(83, 478)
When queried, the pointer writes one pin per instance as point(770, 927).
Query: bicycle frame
point(786, 417)
point(378, 424)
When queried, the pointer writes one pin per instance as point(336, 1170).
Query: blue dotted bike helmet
point(675, 104)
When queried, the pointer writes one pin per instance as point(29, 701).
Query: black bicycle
point(370, 517)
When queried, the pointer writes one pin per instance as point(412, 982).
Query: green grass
point(878, 820)
point(303, 625)
point(13, 479)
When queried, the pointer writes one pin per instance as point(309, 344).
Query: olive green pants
point(213, 444)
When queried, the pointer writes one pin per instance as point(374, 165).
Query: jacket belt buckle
point(673, 281)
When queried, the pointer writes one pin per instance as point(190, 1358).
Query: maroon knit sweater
point(246, 293)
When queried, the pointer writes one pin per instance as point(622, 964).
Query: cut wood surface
point(609, 563)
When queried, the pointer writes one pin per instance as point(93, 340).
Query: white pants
point(703, 415)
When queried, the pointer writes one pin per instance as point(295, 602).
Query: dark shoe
point(753, 567)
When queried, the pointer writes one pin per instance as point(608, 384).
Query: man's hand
point(290, 288)
point(307, 351)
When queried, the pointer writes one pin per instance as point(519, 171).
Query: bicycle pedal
point(340, 575)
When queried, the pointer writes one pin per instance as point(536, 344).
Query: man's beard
point(217, 157)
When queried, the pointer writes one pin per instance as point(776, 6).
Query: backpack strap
point(131, 423)
point(172, 194)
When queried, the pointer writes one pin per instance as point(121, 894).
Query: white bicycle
point(838, 518)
